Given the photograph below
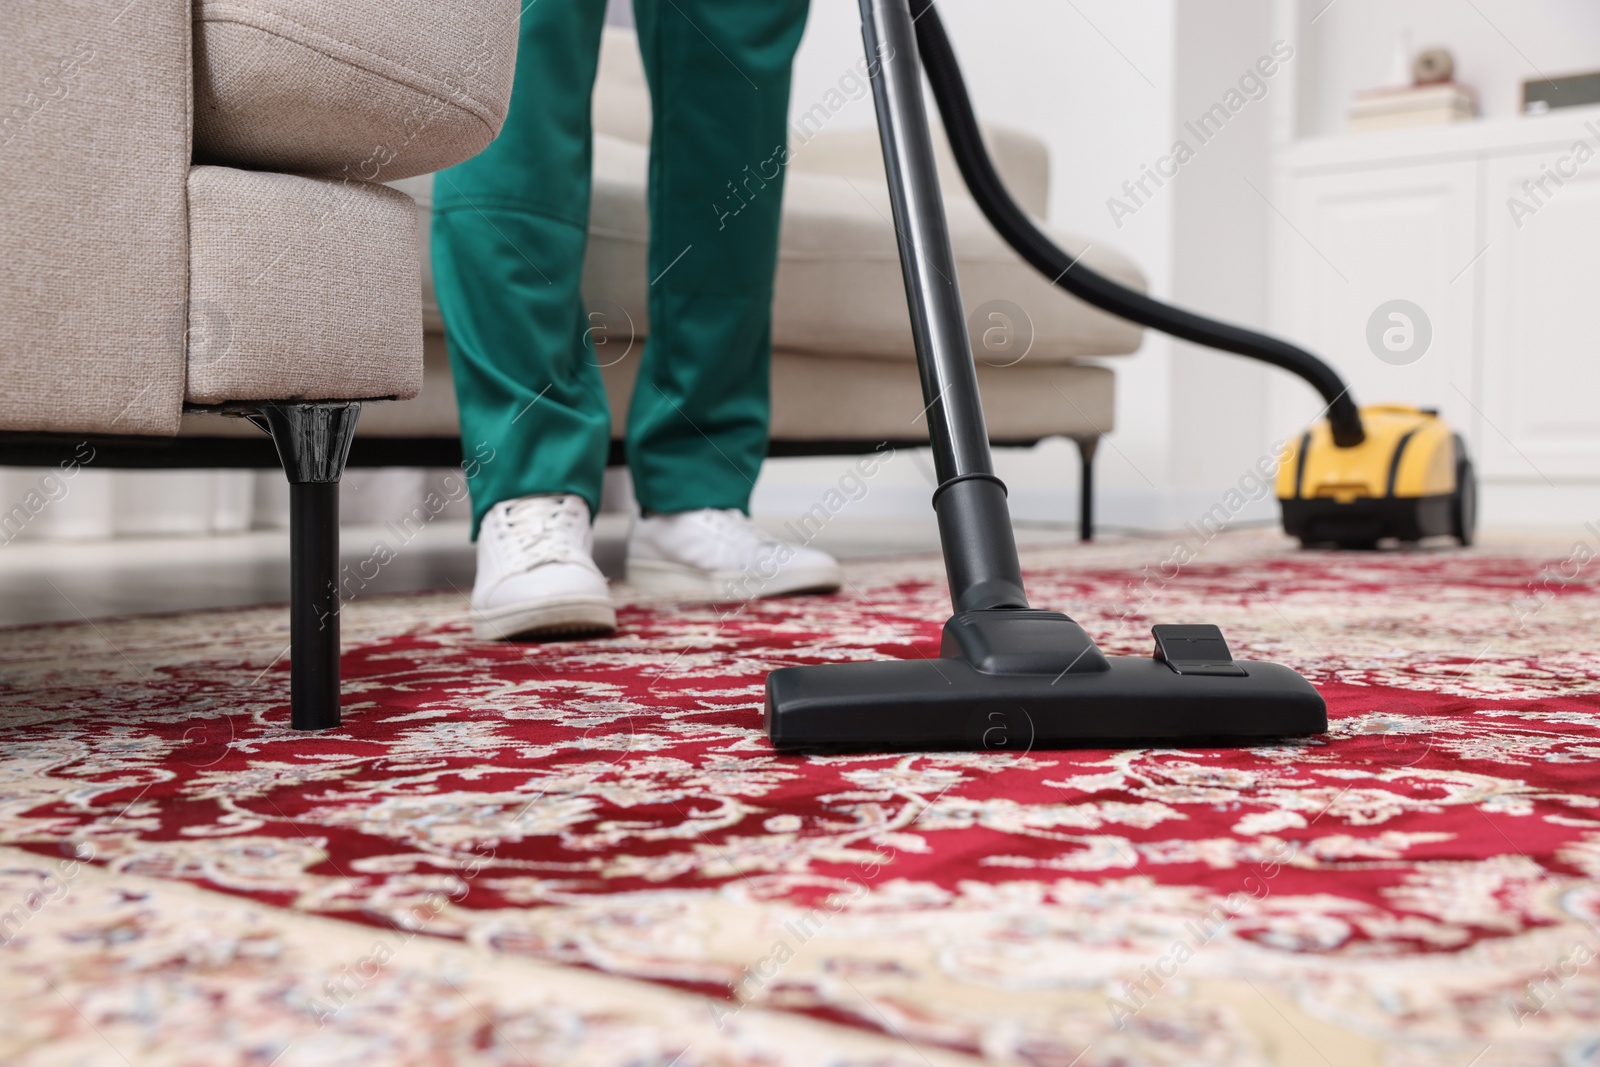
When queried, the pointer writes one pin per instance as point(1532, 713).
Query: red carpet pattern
point(603, 821)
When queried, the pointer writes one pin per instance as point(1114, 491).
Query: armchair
point(193, 222)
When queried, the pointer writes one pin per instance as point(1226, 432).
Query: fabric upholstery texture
point(812, 400)
point(841, 292)
point(94, 152)
point(347, 90)
point(621, 101)
point(420, 190)
point(301, 288)
point(879, 399)
point(431, 413)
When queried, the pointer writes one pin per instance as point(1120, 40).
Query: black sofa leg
point(313, 441)
point(1086, 450)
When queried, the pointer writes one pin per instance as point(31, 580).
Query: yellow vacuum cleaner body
point(1411, 478)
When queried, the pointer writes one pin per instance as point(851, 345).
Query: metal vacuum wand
point(980, 552)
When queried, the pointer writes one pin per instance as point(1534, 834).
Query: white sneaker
point(721, 554)
point(536, 571)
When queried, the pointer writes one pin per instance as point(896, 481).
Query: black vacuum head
point(1018, 679)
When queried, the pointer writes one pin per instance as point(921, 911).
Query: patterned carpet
point(586, 853)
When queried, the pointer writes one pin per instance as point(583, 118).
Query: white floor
point(63, 581)
point(53, 581)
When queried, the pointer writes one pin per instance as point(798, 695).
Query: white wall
point(1220, 240)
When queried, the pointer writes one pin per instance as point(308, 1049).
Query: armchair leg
point(313, 441)
point(1086, 451)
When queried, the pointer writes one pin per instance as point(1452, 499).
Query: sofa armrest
point(94, 154)
point(1021, 158)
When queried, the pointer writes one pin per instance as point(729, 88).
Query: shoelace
point(547, 529)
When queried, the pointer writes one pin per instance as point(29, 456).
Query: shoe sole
point(661, 578)
point(563, 617)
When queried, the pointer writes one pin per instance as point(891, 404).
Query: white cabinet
point(1513, 299)
point(1541, 319)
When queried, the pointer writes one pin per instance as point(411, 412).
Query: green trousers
point(509, 229)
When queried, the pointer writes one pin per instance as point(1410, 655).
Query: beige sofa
point(194, 219)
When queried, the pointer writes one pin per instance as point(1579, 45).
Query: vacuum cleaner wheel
point(1464, 501)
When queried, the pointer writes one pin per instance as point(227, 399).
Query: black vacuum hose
point(1013, 224)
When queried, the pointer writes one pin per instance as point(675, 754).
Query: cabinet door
point(1541, 366)
point(1349, 242)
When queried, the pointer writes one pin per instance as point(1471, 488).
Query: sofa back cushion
point(621, 93)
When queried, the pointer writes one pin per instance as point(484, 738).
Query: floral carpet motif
point(587, 852)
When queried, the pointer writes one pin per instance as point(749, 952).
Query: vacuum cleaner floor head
point(1409, 479)
point(1019, 679)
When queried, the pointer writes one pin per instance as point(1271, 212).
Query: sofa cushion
point(365, 91)
point(841, 291)
point(876, 400)
point(814, 398)
point(839, 286)
point(621, 104)
point(420, 189)
point(1023, 402)
point(300, 288)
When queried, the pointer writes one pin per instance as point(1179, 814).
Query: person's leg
point(719, 81)
point(697, 426)
point(509, 229)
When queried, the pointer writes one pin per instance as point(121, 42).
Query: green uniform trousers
point(509, 229)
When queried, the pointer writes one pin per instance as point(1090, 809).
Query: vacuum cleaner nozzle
point(1017, 679)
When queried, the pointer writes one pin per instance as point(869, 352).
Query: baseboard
point(1142, 510)
point(1566, 507)
point(1508, 507)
